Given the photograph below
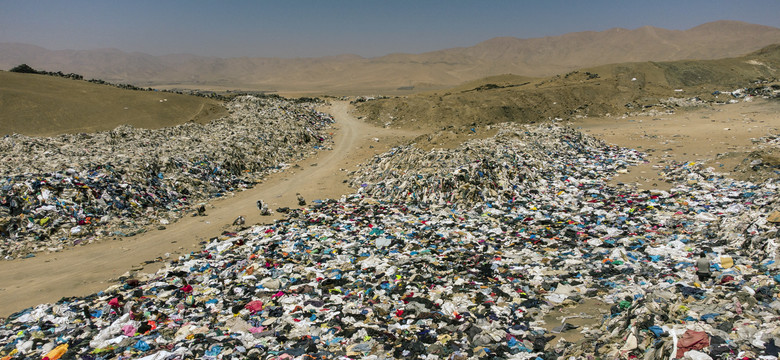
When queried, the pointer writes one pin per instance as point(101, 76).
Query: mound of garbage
point(517, 163)
point(76, 188)
point(385, 273)
point(763, 162)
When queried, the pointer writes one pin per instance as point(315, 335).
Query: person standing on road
point(263, 207)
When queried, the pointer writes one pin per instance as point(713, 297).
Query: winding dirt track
point(88, 269)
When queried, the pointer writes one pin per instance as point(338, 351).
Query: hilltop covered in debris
point(60, 191)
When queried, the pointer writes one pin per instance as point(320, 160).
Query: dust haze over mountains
point(430, 70)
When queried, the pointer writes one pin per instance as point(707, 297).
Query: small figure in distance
point(201, 210)
point(239, 221)
point(263, 207)
point(703, 267)
point(301, 201)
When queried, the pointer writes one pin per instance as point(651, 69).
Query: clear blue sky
point(307, 28)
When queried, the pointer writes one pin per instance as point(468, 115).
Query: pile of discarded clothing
point(76, 188)
point(376, 277)
point(517, 164)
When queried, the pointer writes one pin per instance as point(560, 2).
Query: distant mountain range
point(435, 69)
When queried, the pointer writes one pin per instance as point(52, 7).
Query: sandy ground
point(88, 269)
point(718, 137)
point(698, 135)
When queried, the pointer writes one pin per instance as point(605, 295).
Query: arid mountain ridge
point(595, 91)
point(436, 69)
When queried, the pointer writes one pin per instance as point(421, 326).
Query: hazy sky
point(368, 28)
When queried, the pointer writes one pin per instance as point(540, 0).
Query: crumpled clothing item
point(657, 330)
point(692, 340)
point(254, 306)
point(56, 353)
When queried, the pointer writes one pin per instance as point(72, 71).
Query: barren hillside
point(35, 104)
point(608, 89)
point(431, 70)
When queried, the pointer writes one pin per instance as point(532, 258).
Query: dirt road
point(88, 269)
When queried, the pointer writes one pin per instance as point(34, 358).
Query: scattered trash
point(75, 189)
point(456, 254)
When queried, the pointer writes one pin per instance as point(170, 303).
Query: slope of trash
point(764, 161)
point(455, 254)
point(77, 188)
point(517, 163)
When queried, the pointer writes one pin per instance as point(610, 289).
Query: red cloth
point(692, 340)
point(254, 306)
point(187, 289)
